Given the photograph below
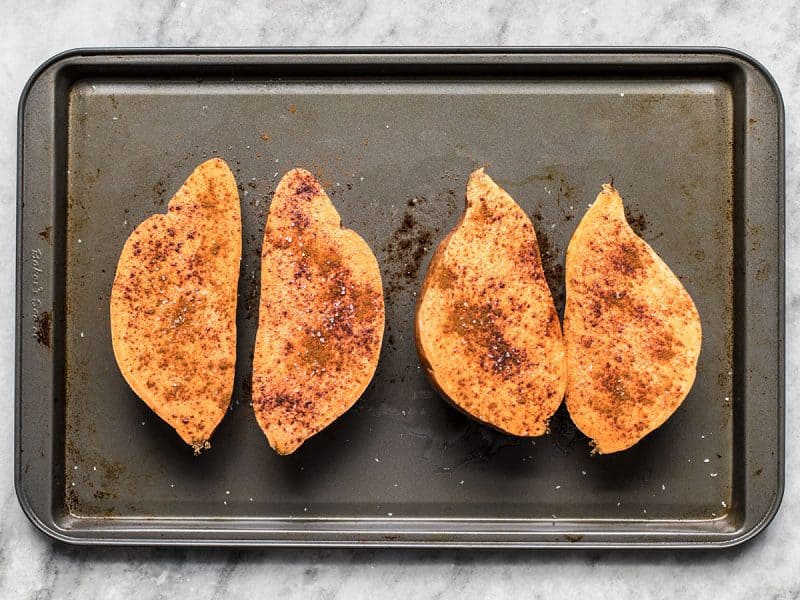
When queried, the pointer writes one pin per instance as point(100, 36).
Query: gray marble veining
point(33, 567)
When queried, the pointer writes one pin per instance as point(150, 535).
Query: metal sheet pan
point(693, 139)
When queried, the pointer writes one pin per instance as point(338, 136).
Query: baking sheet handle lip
point(769, 515)
point(60, 536)
point(401, 50)
point(37, 520)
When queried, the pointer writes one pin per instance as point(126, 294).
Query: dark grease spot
point(553, 269)
point(41, 328)
point(637, 221)
point(406, 249)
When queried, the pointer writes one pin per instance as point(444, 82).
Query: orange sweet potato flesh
point(487, 330)
point(173, 304)
point(632, 332)
point(321, 315)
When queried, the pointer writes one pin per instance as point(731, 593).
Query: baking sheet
point(694, 142)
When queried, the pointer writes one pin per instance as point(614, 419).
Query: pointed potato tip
point(300, 171)
point(300, 178)
point(212, 163)
point(480, 179)
point(608, 188)
point(282, 449)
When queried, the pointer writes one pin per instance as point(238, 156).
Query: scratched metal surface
point(394, 153)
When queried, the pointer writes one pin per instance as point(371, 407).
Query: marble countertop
point(32, 566)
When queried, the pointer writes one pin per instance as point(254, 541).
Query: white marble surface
point(33, 567)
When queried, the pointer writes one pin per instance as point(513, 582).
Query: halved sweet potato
point(321, 315)
point(173, 304)
point(632, 332)
point(487, 330)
